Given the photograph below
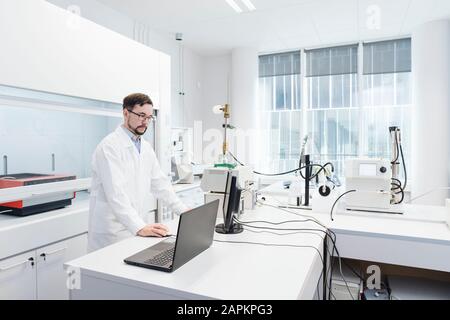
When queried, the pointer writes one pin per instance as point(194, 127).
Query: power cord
point(333, 240)
point(273, 245)
point(279, 245)
point(399, 185)
point(327, 234)
point(288, 172)
point(334, 204)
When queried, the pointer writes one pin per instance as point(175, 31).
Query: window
point(280, 105)
point(346, 109)
point(387, 95)
point(332, 109)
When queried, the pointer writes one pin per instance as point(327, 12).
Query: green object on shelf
point(225, 165)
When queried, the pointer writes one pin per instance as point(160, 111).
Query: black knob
point(324, 191)
point(383, 169)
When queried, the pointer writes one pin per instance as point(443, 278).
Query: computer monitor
point(231, 203)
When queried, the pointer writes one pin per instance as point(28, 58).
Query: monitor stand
point(235, 229)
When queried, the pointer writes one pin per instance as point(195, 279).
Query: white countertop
point(181, 187)
point(418, 238)
point(418, 222)
point(21, 234)
point(224, 271)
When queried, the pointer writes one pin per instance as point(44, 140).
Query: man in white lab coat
point(125, 171)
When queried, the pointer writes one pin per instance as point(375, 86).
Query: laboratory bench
point(34, 248)
point(224, 271)
point(417, 239)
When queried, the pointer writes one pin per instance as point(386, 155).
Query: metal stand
point(234, 229)
point(307, 178)
point(325, 268)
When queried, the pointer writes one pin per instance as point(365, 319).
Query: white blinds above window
point(281, 64)
point(387, 57)
point(332, 61)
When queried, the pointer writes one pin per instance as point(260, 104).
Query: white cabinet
point(51, 276)
point(18, 277)
point(39, 274)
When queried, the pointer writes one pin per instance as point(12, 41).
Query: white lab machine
point(214, 182)
point(182, 170)
point(372, 181)
point(323, 198)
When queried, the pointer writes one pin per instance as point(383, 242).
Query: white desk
point(182, 187)
point(419, 239)
point(224, 271)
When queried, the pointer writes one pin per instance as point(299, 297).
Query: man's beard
point(135, 131)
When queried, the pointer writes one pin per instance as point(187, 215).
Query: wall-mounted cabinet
point(62, 82)
point(51, 49)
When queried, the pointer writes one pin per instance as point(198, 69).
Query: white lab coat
point(122, 181)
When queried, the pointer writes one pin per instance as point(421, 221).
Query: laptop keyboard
point(162, 258)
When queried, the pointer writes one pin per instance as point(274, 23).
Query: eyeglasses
point(143, 117)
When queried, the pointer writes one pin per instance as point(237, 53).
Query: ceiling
point(212, 27)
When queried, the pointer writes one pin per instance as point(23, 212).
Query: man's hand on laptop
point(154, 230)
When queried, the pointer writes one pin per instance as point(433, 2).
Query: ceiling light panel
point(249, 5)
point(234, 5)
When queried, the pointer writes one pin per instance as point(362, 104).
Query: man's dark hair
point(136, 99)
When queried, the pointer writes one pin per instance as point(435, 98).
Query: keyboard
point(161, 259)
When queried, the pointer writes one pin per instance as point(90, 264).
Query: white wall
point(244, 89)
point(190, 107)
point(206, 81)
point(216, 81)
point(116, 21)
point(99, 13)
point(48, 50)
point(431, 80)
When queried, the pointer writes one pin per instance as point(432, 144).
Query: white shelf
point(28, 192)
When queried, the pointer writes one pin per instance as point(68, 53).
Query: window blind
point(332, 61)
point(387, 57)
point(281, 64)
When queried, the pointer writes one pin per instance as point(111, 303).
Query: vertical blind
point(280, 64)
point(332, 61)
point(387, 57)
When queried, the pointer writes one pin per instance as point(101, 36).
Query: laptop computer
point(195, 235)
